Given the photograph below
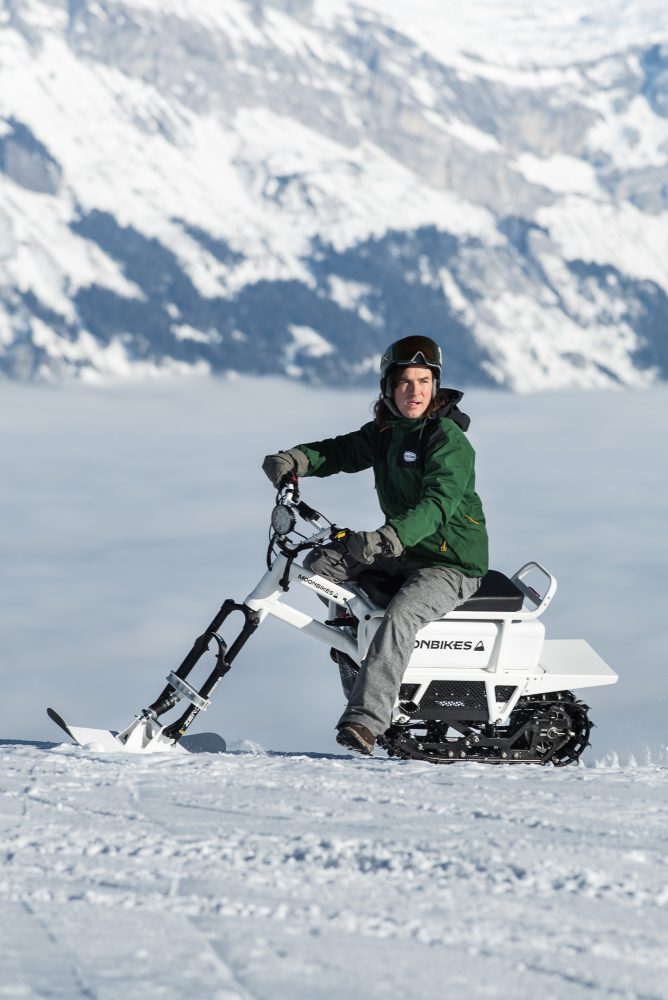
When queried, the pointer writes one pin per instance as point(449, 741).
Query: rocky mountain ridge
point(286, 185)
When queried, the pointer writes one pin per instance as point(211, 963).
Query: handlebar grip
point(290, 482)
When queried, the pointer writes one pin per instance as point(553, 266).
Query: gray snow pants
point(427, 594)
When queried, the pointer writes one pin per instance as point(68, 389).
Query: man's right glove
point(364, 546)
point(277, 467)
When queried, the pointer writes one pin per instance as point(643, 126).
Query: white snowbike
point(483, 682)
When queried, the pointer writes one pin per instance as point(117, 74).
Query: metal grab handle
point(539, 602)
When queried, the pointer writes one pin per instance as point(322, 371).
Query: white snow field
point(285, 868)
point(295, 877)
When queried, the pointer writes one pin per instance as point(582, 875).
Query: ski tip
point(59, 721)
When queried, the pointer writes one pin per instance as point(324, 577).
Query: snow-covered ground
point(295, 871)
point(305, 877)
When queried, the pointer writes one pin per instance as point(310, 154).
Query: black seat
point(495, 593)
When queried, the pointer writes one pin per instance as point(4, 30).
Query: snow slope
point(264, 876)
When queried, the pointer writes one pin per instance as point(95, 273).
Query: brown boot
point(356, 737)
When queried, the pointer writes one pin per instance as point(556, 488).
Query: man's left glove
point(364, 546)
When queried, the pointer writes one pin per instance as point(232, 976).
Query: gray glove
point(364, 546)
point(276, 467)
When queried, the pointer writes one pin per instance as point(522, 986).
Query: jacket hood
point(449, 400)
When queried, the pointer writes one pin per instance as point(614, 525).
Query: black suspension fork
point(177, 685)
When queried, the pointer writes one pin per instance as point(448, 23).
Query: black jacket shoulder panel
point(450, 408)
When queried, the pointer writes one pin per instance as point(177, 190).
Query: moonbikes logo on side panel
point(463, 644)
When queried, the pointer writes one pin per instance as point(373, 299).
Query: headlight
point(283, 520)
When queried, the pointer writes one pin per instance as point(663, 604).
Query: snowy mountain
point(285, 185)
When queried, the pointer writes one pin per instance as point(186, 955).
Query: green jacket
point(425, 478)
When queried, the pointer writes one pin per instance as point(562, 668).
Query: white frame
point(558, 664)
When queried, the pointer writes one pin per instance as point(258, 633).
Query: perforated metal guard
point(455, 695)
point(408, 691)
point(504, 692)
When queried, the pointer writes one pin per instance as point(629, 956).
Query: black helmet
point(412, 350)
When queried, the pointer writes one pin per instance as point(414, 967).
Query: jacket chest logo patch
point(410, 456)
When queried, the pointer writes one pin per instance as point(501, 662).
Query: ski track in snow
point(273, 875)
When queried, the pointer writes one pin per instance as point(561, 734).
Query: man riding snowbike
point(434, 538)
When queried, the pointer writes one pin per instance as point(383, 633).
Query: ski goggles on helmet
point(412, 351)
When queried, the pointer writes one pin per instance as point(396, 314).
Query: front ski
point(93, 739)
point(139, 737)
